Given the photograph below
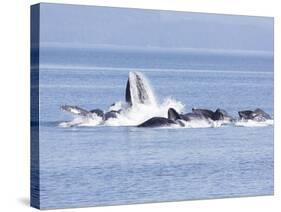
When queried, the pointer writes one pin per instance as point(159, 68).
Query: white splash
point(137, 114)
point(251, 123)
point(145, 106)
point(93, 120)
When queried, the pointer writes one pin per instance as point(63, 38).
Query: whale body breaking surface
point(141, 109)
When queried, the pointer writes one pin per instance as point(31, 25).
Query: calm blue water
point(88, 166)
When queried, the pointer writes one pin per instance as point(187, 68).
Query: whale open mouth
point(138, 90)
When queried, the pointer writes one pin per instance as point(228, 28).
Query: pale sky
point(90, 25)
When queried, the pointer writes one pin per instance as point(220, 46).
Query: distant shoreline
point(84, 46)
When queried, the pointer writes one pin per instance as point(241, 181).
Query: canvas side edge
point(34, 106)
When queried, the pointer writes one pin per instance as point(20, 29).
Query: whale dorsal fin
point(173, 114)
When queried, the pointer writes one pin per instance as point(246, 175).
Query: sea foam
point(139, 112)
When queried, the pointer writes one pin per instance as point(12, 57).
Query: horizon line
point(76, 45)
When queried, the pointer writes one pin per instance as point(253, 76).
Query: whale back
point(204, 112)
point(157, 122)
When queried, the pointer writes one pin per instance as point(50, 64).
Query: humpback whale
point(85, 113)
point(204, 112)
point(193, 116)
point(157, 122)
point(138, 90)
point(98, 112)
point(218, 115)
point(174, 115)
point(110, 114)
point(256, 115)
point(222, 115)
point(173, 119)
point(140, 100)
point(76, 110)
point(200, 115)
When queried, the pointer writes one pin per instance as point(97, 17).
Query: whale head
point(138, 90)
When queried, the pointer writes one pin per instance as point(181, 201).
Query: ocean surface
point(108, 165)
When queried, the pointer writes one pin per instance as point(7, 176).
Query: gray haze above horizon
point(90, 25)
